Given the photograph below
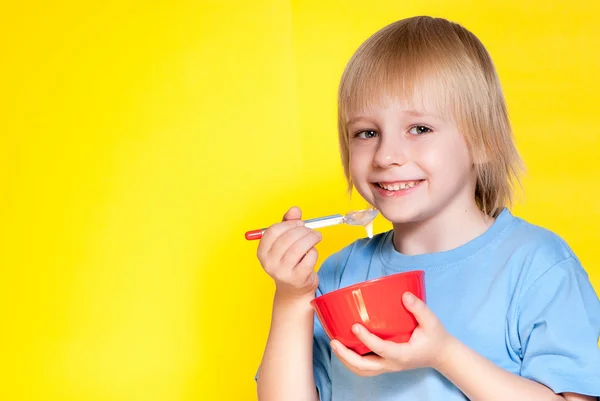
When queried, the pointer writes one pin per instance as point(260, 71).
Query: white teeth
point(398, 187)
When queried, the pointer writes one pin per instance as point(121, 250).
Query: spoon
point(357, 218)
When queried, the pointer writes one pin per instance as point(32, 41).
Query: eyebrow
point(355, 120)
point(412, 113)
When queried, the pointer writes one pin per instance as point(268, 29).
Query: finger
point(375, 344)
point(307, 262)
point(273, 233)
point(293, 214)
point(305, 269)
point(292, 245)
point(300, 248)
point(425, 317)
point(388, 350)
point(370, 365)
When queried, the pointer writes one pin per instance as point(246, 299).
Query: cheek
point(434, 156)
point(356, 173)
point(450, 157)
point(359, 160)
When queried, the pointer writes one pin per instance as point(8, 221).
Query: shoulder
point(536, 251)
point(534, 242)
point(352, 256)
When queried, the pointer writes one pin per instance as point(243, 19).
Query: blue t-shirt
point(517, 295)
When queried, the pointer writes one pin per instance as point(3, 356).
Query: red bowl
point(376, 304)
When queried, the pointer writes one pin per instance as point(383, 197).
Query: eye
point(419, 130)
point(366, 134)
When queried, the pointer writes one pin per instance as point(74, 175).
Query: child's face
point(410, 164)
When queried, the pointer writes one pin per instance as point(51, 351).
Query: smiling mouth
point(398, 186)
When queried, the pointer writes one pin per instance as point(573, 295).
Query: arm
point(286, 371)
point(481, 380)
point(287, 254)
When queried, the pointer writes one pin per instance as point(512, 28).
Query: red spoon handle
point(254, 234)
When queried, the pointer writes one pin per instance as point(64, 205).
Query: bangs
point(380, 83)
point(417, 67)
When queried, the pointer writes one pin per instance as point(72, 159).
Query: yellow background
point(140, 139)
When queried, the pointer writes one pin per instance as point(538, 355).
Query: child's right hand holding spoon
point(287, 253)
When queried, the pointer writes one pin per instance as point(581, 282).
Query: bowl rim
point(366, 283)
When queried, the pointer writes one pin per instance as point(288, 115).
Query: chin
point(402, 215)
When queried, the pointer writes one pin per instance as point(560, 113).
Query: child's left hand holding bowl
point(428, 346)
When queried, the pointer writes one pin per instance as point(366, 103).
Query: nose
point(390, 151)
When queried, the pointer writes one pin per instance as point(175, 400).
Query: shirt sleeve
point(558, 323)
point(321, 359)
point(329, 280)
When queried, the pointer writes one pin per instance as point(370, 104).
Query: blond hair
point(424, 55)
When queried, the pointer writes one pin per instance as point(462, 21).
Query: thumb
point(293, 214)
point(425, 317)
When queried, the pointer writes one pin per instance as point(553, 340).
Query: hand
point(427, 347)
point(287, 253)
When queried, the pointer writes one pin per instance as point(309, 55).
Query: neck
point(450, 228)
